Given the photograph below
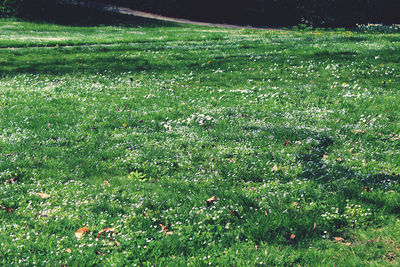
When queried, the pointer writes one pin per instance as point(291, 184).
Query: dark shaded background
point(326, 13)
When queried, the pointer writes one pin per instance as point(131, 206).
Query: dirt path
point(128, 11)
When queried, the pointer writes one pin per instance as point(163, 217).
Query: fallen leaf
point(339, 159)
point(211, 200)
point(12, 180)
point(124, 124)
point(314, 226)
point(165, 230)
point(81, 232)
point(9, 210)
point(287, 142)
point(325, 156)
point(105, 230)
point(266, 213)
point(359, 131)
point(43, 195)
point(275, 168)
point(338, 239)
point(99, 253)
point(290, 236)
point(107, 183)
point(68, 250)
point(391, 256)
point(366, 188)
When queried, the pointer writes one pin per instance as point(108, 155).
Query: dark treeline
point(254, 12)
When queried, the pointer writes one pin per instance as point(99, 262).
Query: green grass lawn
point(138, 125)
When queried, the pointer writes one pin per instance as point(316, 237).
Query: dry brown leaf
point(6, 209)
point(81, 232)
point(325, 156)
point(275, 168)
point(107, 183)
point(43, 195)
point(290, 236)
point(165, 230)
point(68, 250)
point(339, 159)
point(211, 200)
point(338, 239)
point(266, 213)
point(11, 181)
point(391, 256)
point(105, 230)
point(287, 142)
point(366, 188)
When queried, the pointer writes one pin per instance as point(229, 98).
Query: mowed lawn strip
point(166, 144)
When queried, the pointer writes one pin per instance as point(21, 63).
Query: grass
point(134, 126)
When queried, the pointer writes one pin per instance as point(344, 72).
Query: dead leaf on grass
point(107, 183)
point(290, 236)
point(43, 195)
point(12, 180)
point(68, 250)
point(81, 232)
point(105, 230)
point(366, 188)
point(211, 200)
point(6, 209)
point(341, 240)
point(390, 256)
point(338, 239)
point(165, 230)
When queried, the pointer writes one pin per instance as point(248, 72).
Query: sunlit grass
point(135, 126)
